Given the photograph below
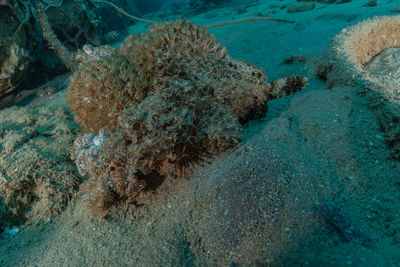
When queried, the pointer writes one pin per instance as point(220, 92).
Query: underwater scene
point(199, 133)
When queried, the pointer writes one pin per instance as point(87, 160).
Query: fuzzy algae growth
point(166, 99)
point(36, 175)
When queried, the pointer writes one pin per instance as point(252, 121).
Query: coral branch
point(206, 26)
point(245, 20)
point(49, 35)
point(22, 23)
point(120, 10)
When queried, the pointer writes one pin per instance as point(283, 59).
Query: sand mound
point(257, 201)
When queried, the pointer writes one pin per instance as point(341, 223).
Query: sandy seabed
point(263, 203)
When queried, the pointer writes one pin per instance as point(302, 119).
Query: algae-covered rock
point(164, 136)
point(168, 99)
point(37, 178)
point(174, 51)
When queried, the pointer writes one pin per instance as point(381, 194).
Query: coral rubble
point(166, 100)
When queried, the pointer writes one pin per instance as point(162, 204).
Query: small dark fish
point(329, 214)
